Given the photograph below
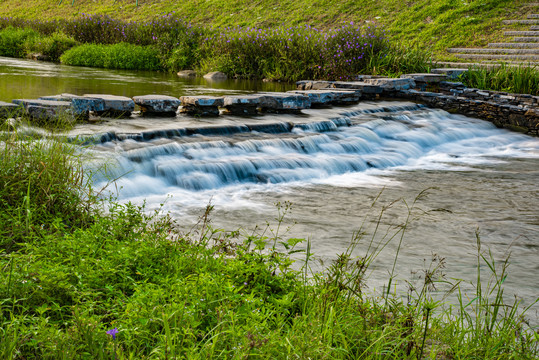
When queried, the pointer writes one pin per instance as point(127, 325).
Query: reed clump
point(512, 79)
point(125, 283)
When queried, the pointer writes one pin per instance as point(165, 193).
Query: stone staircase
point(522, 48)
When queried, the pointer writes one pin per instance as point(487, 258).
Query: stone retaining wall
point(517, 112)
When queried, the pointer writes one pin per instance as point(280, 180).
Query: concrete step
point(526, 22)
point(528, 39)
point(521, 33)
point(497, 57)
point(494, 51)
point(533, 16)
point(485, 63)
point(513, 63)
point(464, 65)
point(534, 27)
point(514, 45)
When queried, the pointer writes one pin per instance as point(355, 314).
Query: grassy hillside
point(429, 24)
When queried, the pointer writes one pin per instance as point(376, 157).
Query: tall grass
point(41, 185)
point(512, 79)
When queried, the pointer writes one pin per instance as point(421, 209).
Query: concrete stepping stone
point(330, 97)
point(8, 110)
point(450, 73)
point(81, 105)
point(278, 102)
point(201, 105)
point(114, 106)
point(364, 87)
point(161, 105)
point(533, 16)
point(45, 110)
point(392, 84)
point(313, 85)
point(243, 104)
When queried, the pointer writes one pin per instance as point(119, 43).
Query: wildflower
point(113, 332)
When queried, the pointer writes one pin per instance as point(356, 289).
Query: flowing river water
point(335, 164)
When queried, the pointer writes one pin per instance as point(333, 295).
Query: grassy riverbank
point(430, 24)
point(338, 49)
point(79, 282)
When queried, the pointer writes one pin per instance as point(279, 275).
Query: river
point(339, 170)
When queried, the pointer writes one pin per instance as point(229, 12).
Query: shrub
point(13, 41)
point(51, 46)
point(118, 56)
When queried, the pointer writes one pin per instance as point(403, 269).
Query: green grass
point(72, 273)
point(433, 25)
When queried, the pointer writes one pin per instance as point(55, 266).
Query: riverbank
point(426, 24)
point(124, 284)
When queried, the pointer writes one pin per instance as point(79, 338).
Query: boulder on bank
point(187, 74)
point(215, 76)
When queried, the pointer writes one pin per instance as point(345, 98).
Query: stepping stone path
point(522, 49)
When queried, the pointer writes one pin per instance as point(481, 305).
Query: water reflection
point(31, 79)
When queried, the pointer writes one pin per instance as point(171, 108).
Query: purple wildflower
point(113, 332)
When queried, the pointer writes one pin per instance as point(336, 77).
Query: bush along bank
point(78, 282)
point(282, 53)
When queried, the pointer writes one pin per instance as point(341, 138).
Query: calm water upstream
point(476, 177)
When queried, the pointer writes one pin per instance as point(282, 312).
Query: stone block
point(243, 104)
point(391, 84)
point(425, 78)
point(157, 104)
point(81, 105)
point(113, 105)
point(8, 110)
point(284, 102)
point(451, 73)
point(364, 87)
point(202, 100)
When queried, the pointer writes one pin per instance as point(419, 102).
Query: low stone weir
point(519, 112)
